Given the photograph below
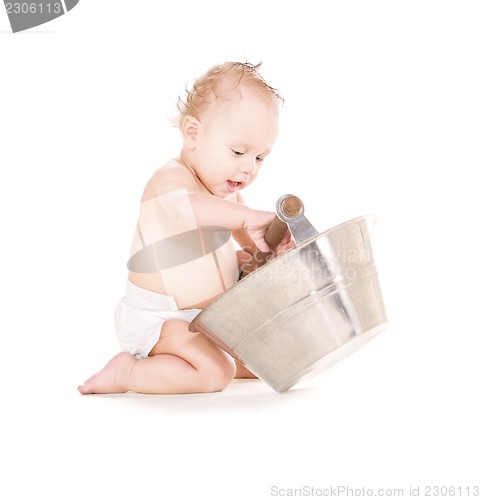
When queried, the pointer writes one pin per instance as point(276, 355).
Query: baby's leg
point(180, 362)
point(242, 371)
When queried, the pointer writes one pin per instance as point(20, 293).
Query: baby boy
point(182, 253)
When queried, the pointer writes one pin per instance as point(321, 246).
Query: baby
point(182, 254)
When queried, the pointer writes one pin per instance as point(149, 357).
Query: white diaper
point(139, 317)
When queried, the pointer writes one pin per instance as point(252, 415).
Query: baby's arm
point(212, 211)
point(208, 210)
point(243, 239)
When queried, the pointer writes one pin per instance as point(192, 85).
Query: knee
point(219, 374)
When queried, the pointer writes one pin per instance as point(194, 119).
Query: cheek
point(214, 154)
point(253, 177)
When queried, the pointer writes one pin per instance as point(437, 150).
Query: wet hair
point(222, 82)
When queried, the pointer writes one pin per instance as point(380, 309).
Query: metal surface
point(305, 310)
point(301, 229)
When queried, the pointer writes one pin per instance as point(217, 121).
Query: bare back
point(170, 253)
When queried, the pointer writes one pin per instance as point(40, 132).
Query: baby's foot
point(111, 379)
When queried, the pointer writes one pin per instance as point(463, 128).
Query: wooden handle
point(273, 237)
point(291, 207)
point(274, 234)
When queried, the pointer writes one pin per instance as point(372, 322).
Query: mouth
point(233, 186)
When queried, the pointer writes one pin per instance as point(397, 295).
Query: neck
point(187, 165)
point(183, 161)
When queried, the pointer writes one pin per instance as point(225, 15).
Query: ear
point(190, 131)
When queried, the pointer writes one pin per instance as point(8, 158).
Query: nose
point(249, 165)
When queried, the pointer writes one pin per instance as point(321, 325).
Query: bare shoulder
point(170, 177)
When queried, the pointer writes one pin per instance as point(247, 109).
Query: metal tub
point(305, 310)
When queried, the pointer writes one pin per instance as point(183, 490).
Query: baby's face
point(234, 139)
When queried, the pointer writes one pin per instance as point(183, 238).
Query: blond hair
point(219, 82)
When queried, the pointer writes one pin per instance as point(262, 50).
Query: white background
point(382, 115)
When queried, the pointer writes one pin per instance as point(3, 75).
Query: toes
point(82, 390)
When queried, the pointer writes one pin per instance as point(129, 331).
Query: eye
point(237, 153)
point(259, 159)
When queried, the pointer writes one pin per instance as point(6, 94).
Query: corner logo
point(28, 14)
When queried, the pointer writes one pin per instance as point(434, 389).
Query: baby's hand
point(286, 243)
point(255, 224)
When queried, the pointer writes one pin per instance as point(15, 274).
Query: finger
point(262, 245)
point(286, 238)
